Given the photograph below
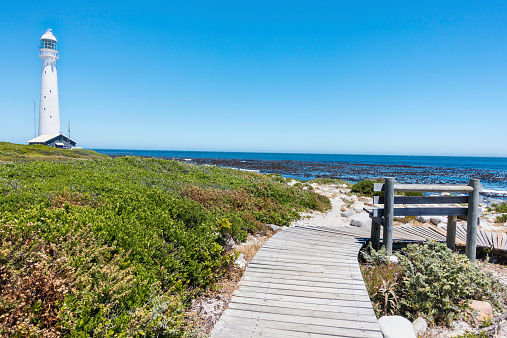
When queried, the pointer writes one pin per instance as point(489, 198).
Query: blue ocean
point(423, 169)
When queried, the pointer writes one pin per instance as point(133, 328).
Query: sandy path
point(339, 202)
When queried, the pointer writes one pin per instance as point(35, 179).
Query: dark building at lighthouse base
point(54, 140)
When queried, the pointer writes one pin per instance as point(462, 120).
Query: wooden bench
point(384, 216)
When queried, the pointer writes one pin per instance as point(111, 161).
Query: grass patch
point(11, 152)
point(329, 181)
point(127, 242)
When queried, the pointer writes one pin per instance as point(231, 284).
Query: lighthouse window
point(44, 108)
point(50, 90)
point(44, 96)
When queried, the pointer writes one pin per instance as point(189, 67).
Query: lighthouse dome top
point(48, 36)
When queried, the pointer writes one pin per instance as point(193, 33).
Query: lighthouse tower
point(49, 109)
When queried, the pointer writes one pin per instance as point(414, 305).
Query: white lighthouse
point(49, 109)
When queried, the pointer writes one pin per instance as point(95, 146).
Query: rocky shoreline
point(354, 172)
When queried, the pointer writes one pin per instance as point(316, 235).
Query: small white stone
point(394, 259)
point(420, 325)
point(241, 261)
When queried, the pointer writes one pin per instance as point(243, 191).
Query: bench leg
point(451, 232)
point(375, 233)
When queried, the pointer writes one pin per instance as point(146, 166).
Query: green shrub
point(430, 281)
point(365, 188)
point(501, 219)
point(438, 283)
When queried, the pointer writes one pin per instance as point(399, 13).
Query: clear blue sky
point(379, 77)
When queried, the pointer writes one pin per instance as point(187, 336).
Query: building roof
point(48, 35)
point(48, 137)
point(43, 138)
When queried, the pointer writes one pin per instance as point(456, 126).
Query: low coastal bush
point(334, 181)
point(430, 281)
point(119, 247)
point(500, 208)
point(365, 188)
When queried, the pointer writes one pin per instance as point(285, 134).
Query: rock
point(423, 219)
point(442, 225)
point(241, 261)
point(460, 326)
point(484, 308)
point(361, 220)
point(394, 259)
point(348, 213)
point(420, 325)
point(396, 327)
point(445, 194)
point(438, 219)
point(273, 227)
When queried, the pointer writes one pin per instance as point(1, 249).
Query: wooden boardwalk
point(304, 282)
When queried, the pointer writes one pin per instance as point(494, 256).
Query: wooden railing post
point(472, 217)
point(388, 214)
point(451, 232)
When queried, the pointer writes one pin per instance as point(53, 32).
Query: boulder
point(420, 325)
point(361, 220)
point(348, 213)
point(396, 327)
point(423, 219)
point(484, 308)
point(436, 220)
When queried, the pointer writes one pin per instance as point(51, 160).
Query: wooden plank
point(329, 283)
point(379, 212)
point(328, 289)
point(303, 278)
point(291, 271)
point(425, 188)
point(298, 317)
point(305, 312)
point(301, 299)
point(358, 312)
point(309, 329)
point(424, 199)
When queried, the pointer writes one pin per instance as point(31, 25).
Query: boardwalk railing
point(384, 216)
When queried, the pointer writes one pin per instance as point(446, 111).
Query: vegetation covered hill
point(116, 247)
point(11, 152)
